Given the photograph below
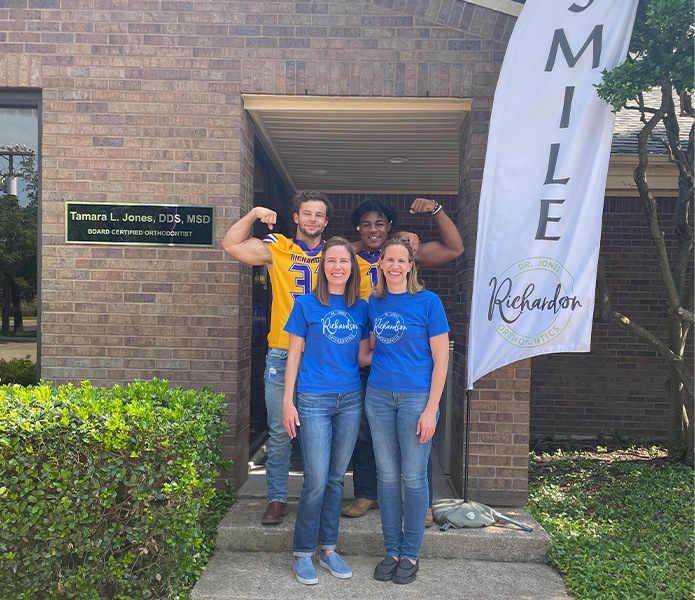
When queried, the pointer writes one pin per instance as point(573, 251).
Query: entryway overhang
point(362, 145)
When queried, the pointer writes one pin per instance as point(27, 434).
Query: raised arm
point(448, 247)
point(249, 250)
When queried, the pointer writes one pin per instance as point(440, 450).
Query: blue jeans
point(277, 468)
point(329, 425)
point(364, 463)
point(393, 418)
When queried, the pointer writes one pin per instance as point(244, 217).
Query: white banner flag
point(539, 224)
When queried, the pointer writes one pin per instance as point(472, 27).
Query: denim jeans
point(400, 456)
point(364, 463)
point(279, 443)
point(329, 425)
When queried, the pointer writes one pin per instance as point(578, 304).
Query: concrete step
point(269, 576)
point(241, 531)
point(254, 562)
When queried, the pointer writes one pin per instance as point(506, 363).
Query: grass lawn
point(622, 521)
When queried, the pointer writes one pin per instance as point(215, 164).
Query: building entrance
point(270, 191)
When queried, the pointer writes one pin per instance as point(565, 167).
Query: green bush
point(106, 493)
point(18, 370)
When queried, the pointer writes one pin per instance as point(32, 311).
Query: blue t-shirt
point(402, 325)
point(332, 336)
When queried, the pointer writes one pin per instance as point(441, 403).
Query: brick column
point(499, 427)
point(235, 442)
point(499, 436)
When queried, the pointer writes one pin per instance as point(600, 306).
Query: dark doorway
point(270, 191)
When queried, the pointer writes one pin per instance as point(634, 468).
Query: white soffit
point(343, 144)
point(508, 7)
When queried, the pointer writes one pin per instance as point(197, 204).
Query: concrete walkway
point(254, 562)
point(18, 348)
point(268, 576)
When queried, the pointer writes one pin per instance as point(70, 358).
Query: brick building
point(227, 104)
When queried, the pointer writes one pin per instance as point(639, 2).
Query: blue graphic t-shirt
point(332, 336)
point(402, 325)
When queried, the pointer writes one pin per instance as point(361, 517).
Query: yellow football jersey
point(292, 274)
point(368, 272)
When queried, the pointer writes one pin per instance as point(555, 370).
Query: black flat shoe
point(385, 569)
point(406, 572)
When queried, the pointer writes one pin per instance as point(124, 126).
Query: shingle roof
point(628, 125)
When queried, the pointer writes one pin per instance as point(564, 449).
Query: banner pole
point(466, 451)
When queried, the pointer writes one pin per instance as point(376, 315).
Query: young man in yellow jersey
point(375, 220)
point(291, 265)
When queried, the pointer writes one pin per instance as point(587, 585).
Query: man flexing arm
point(291, 263)
point(375, 220)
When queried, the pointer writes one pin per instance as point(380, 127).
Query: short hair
point(303, 196)
point(373, 204)
point(414, 283)
point(352, 287)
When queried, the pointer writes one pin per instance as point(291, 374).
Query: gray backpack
point(459, 514)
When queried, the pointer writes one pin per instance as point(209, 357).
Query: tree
point(18, 245)
point(661, 58)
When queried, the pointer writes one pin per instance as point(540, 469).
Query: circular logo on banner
point(389, 327)
point(339, 327)
point(532, 301)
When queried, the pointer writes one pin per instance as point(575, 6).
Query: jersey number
point(303, 280)
point(373, 274)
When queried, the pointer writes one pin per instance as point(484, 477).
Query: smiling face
point(311, 220)
point(396, 264)
point(374, 230)
point(337, 265)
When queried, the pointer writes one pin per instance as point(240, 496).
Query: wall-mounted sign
point(169, 224)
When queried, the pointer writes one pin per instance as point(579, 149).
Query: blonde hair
point(414, 285)
point(352, 286)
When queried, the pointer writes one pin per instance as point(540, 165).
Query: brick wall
point(619, 386)
point(141, 103)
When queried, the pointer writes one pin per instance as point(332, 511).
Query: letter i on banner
point(539, 224)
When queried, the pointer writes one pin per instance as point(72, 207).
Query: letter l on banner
point(541, 202)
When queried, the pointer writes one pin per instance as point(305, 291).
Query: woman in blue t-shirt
point(409, 365)
point(331, 324)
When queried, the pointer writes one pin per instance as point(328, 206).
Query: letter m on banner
point(539, 224)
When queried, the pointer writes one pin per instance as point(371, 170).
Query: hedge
point(18, 370)
point(106, 493)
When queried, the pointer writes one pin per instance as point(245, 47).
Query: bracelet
point(437, 208)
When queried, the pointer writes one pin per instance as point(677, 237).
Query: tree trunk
point(679, 386)
point(6, 302)
point(17, 305)
point(690, 442)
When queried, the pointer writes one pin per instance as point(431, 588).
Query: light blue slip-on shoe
point(304, 570)
point(336, 565)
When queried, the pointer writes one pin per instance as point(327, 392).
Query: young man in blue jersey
point(291, 265)
point(375, 220)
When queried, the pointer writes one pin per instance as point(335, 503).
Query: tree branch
point(685, 315)
point(648, 200)
point(608, 315)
